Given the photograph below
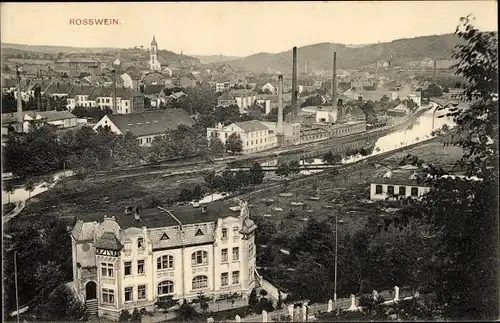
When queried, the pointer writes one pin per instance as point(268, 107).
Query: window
point(402, 191)
point(414, 191)
point(378, 189)
point(224, 279)
point(165, 262)
point(164, 237)
point(199, 258)
point(390, 190)
point(236, 277)
point(236, 232)
point(128, 268)
point(198, 233)
point(107, 269)
point(108, 296)
point(128, 294)
point(141, 292)
point(200, 282)
point(236, 253)
point(247, 143)
point(224, 233)
point(166, 287)
point(107, 100)
point(140, 266)
point(250, 250)
point(127, 245)
point(140, 243)
point(223, 255)
point(250, 275)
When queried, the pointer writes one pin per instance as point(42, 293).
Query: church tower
point(154, 64)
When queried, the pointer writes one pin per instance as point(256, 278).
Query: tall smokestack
point(114, 91)
point(19, 102)
point(294, 82)
point(280, 104)
point(340, 112)
point(434, 72)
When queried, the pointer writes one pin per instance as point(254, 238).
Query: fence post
point(353, 306)
point(396, 294)
point(330, 306)
point(264, 316)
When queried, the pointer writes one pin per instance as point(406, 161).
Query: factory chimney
point(19, 102)
point(340, 111)
point(434, 72)
point(294, 82)
point(114, 90)
point(279, 127)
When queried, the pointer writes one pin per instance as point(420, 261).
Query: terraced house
point(131, 259)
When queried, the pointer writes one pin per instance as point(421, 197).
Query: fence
point(304, 312)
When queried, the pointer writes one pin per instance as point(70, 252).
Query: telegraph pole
point(15, 278)
point(335, 286)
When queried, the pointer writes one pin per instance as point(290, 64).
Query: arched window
point(140, 243)
point(166, 287)
point(199, 258)
point(200, 282)
point(165, 262)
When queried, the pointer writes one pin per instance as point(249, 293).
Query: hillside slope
point(319, 56)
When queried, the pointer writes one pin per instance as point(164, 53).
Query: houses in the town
point(403, 182)
point(32, 119)
point(255, 135)
point(146, 126)
point(136, 256)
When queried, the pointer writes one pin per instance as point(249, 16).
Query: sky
point(236, 28)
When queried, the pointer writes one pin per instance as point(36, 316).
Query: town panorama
point(326, 182)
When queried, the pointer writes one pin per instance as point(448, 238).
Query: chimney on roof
point(204, 209)
point(136, 214)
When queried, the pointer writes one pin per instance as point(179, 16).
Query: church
point(154, 64)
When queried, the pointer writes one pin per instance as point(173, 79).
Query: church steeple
point(153, 43)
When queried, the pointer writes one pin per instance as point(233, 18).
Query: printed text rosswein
point(94, 21)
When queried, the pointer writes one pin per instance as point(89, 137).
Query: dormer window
point(164, 237)
point(199, 233)
point(127, 244)
point(140, 243)
point(224, 233)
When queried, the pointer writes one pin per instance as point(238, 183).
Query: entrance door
point(90, 290)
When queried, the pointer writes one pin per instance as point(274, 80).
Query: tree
point(331, 159)
point(256, 174)
point(385, 98)
point(187, 312)
point(216, 146)
point(234, 143)
point(29, 185)
point(124, 316)
point(9, 188)
point(60, 305)
point(294, 167)
point(283, 170)
point(461, 245)
point(136, 315)
point(253, 300)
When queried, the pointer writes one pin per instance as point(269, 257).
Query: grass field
point(345, 195)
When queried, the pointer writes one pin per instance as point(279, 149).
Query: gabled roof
point(59, 88)
point(226, 97)
point(151, 123)
point(121, 92)
point(153, 89)
point(108, 241)
point(55, 115)
point(80, 90)
point(251, 126)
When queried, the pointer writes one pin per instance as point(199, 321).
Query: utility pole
point(335, 286)
point(15, 278)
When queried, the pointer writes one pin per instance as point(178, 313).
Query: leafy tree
point(253, 299)
point(9, 188)
point(283, 170)
point(166, 302)
point(385, 98)
point(294, 167)
point(136, 315)
point(29, 185)
point(331, 159)
point(256, 174)
point(313, 100)
point(60, 305)
point(215, 144)
point(461, 244)
point(234, 143)
point(187, 312)
point(124, 316)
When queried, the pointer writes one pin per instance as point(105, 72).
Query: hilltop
point(319, 56)
point(209, 59)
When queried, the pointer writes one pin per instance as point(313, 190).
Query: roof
point(55, 115)
point(151, 122)
point(154, 41)
point(251, 126)
point(408, 177)
point(83, 230)
point(156, 218)
point(59, 88)
point(121, 92)
point(108, 241)
point(80, 90)
point(153, 89)
point(77, 60)
point(226, 96)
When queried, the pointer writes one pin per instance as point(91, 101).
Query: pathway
point(19, 207)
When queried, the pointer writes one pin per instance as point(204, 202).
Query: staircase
point(91, 306)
